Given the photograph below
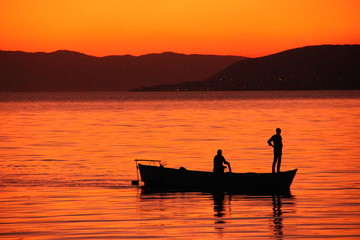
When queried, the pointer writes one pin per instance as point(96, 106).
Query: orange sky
point(249, 28)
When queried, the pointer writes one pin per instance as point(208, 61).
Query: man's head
point(278, 130)
point(219, 152)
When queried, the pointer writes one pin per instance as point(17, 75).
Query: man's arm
point(228, 164)
point(270, 142)
point(229, 167)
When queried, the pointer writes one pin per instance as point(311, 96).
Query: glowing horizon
point(115, 27)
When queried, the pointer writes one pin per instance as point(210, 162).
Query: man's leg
point(273, 165)
point(278, 163)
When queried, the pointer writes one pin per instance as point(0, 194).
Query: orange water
point(66, 164)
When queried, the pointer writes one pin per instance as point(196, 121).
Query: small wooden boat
point(182, 179)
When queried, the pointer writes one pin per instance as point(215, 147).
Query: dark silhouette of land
point(73, 71)
point(326, 67)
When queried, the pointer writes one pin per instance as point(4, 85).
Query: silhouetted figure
point(219, 162)
point(276, 142)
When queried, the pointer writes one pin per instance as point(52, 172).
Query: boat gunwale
point(208, 172)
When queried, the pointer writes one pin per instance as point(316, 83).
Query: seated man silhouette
point(219, 162)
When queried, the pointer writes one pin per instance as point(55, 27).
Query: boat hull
point(182, 179)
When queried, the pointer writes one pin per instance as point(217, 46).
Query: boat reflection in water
point(227, 214)
point(223, 210)
point(220, 211)
point(277, 214)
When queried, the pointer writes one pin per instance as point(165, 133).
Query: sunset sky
point(251, 28)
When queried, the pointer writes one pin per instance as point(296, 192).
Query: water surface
point(66, 164)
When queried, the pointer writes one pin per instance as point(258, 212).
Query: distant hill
point(73, 71)
point(325, 67)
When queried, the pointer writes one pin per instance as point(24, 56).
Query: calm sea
point(67, 162)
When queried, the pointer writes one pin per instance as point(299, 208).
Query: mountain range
point(325, 67)
point(72, 71)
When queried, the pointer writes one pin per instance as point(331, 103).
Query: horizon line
point(169, 52)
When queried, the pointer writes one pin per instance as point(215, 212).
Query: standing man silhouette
point(276, 142)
